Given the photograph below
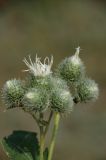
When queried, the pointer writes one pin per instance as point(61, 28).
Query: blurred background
point(57, 28)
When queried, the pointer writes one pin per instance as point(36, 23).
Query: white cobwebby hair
point(37, 68)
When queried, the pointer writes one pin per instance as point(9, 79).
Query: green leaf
point(45, 154)
point(21, 145)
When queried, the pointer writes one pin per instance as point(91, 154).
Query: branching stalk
point(42, 137)
point(54, 133)
point(49, 120)
point(42, 142)
point(36, 119)
point(43, 134)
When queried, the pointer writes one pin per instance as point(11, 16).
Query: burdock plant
point(45, 96)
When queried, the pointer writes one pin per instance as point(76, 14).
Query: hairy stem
point(42, 137)
point(49, 120)
point(43, 131)
point(55, 128)
point(42, 142)
point(36, 119)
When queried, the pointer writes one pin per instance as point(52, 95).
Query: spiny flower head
point(37, 68)
point(13, 92)
point(36, 99)
point(87, 90)
point(61, 100)
point(72, 69)
point(41, 82)
point(54, 82)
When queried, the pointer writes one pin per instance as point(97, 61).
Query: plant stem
point(36, 119)
point(55, 128)
point(42, 137)
point(49, 120)
point(43, 134)
point(42, 142)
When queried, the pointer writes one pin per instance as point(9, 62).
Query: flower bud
point(13, 93)
point(57, 82)
point(72, 68)
point(33, 82)
point(87, 90)
point(36, 99)
point(61, 100)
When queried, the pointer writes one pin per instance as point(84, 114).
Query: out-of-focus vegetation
point(57, 27)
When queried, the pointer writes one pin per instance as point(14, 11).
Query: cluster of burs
point(44, 90)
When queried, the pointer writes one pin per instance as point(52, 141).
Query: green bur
point(13, 92)
point(87, 90)
point(71, 69)
point(36, 99)
point(61, 101)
